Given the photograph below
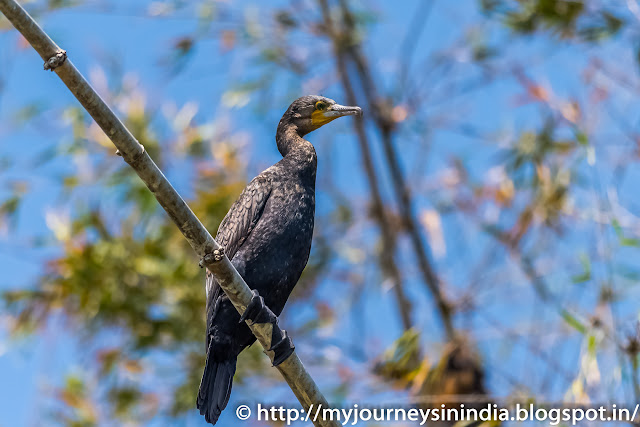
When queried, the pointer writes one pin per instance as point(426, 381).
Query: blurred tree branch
point(459, 372)
point(135, 155)
point(388, 251)
point(346, 48)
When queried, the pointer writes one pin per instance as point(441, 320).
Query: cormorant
point(267, 236)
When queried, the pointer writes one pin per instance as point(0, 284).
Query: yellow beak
point(322, 117)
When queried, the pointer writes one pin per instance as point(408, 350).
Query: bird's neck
point(292, 144)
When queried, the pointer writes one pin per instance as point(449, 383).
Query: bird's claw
point(255, 309)
point(282, 349)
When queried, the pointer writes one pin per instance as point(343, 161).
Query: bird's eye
point(320, 105)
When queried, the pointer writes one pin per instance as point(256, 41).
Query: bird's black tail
point(215, 387)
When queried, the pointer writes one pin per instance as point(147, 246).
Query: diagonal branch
point(196, 234)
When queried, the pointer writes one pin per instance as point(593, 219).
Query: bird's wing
point(244, 215)
point(234, 230)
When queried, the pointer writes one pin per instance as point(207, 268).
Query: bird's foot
point(283, 348)
point(258, 312)
point(211, 257)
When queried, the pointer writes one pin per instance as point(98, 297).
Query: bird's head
point(311, 112)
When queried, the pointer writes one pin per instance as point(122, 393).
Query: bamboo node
point(216, 256)
point(56, 60)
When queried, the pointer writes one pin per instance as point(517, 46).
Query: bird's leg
point(211, 257)
point(258, 312)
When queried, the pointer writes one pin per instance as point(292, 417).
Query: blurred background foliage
point(477, 233)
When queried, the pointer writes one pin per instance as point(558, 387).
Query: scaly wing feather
point(234, 230)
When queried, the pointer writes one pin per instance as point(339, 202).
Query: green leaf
point(585, 276)
point(624, 241)
point(582, 138)
point(124, 399)
point(574, 322)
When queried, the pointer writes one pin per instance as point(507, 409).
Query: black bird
point(267, 236)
